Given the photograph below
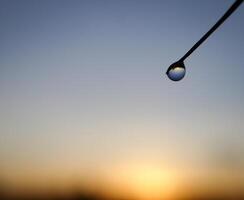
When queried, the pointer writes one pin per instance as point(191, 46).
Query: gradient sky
point(83, 90)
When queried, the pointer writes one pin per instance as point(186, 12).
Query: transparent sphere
point(176, 71)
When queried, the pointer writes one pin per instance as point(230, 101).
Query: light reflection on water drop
point(176, 71)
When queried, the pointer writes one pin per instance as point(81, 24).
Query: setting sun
point(152, 183)
point(149, 182)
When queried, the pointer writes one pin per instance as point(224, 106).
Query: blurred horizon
point(87, 111)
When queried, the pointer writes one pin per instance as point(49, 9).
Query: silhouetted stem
point(234, 6)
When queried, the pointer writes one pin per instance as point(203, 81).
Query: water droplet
point(176, 71)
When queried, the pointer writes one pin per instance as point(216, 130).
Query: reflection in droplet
point(176, 71)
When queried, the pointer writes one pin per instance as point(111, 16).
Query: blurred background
point(87, 112)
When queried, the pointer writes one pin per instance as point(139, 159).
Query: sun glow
point(149, 182)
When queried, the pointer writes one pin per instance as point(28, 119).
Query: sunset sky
point(85, 102)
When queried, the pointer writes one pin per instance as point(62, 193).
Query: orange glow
point(152, 183)
point(148, 182)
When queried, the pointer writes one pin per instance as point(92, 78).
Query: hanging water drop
point(176, 71)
